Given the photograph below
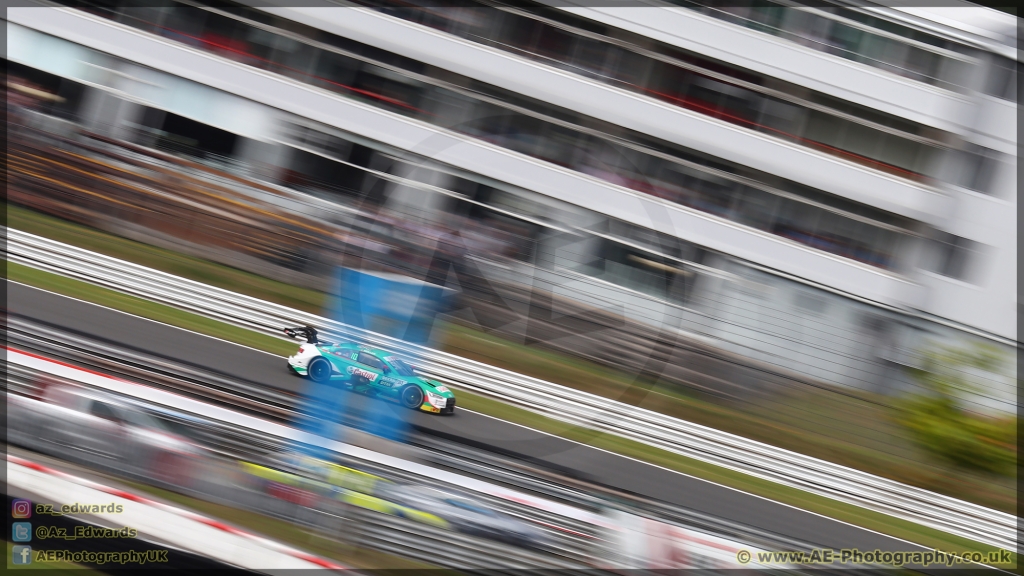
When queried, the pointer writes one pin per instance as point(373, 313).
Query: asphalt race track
point(603, 467)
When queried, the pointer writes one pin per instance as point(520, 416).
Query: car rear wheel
point(412, 397)
point(319, 370)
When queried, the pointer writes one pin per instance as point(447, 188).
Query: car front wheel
point(412, 397)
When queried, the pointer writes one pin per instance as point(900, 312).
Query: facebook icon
point(21, 554)
point(21, 532)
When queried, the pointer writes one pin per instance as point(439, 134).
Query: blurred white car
point(99, 429)
point(465, 514)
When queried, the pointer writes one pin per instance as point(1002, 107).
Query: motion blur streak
point(721, 507)
point(783, 222)
point(591, 412)
point(368, 492)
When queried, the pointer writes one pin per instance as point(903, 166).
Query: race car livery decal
point(368, 370)
point(370, 376)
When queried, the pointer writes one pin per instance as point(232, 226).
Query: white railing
point(552, 400)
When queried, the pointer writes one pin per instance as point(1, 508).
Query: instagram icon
point(21, 509)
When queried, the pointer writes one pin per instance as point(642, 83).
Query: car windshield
point(400, 366)
point(145, 421)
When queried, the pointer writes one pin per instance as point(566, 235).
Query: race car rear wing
point(306, 332)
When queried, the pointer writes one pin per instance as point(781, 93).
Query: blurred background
point(791, 221)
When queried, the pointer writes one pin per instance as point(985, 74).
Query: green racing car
point(368, 370)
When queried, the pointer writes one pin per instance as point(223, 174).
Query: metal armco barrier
point(552, 400)
point(221, 480)
point(217, 477)
point(239, 443)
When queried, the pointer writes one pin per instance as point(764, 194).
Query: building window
point(951, 255)
point(1003, 78)
point(640, 270)
point(978, 168)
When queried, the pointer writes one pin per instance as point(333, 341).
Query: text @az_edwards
point(876, 557)
point(83, 532)
point(51, 510)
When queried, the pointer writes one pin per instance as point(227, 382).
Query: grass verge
point(168, 261)
point(767, 489)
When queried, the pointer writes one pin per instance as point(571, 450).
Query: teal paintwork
point(382, 374)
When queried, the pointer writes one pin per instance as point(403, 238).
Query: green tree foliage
point(940, 423)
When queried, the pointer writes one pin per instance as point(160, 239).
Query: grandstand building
point(826, 188)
